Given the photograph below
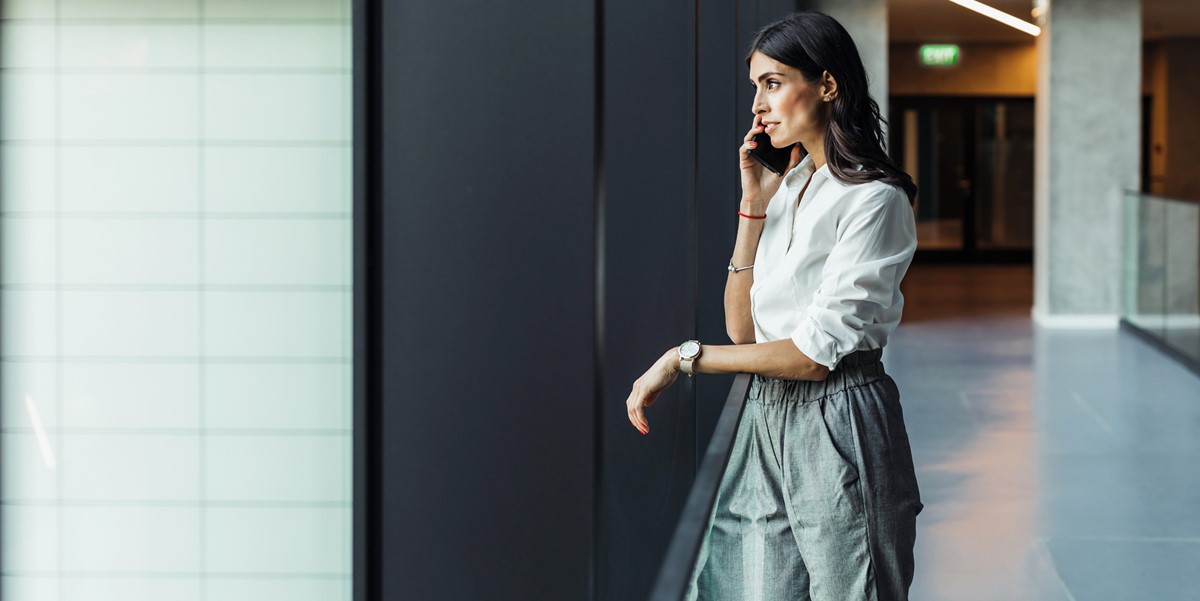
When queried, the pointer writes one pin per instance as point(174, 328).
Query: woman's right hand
point(759, 184)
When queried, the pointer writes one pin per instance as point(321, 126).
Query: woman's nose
point(758, 106)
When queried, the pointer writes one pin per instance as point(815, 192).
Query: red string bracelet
point(752, 216)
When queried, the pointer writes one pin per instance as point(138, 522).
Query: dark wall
point(482, 395)
point(546, 202)
point(650, 291)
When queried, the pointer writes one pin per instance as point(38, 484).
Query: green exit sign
point(939, 55)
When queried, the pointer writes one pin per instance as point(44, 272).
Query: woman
point(819, 500)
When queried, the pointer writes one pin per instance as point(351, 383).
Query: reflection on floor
point(1054, 464)
point(939, 234)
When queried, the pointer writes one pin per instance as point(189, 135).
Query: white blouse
point(827, 271)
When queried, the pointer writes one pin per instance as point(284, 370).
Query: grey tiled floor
point(1054, 464)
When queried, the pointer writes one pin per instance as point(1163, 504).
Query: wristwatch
point(688, 352)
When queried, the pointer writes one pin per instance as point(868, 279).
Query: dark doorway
point(973, 161)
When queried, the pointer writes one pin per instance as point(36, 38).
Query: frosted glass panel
point(175, 281)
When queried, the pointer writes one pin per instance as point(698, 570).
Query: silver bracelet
point(733, 269)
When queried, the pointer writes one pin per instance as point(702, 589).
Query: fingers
point(634, 406)
point(748, 141)
point(744, 149)
point(754, 129)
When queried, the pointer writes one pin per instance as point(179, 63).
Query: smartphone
point(775, 159)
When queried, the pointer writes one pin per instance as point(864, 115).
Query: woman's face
point(791, 108)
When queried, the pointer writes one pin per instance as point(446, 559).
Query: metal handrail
point(677, 567)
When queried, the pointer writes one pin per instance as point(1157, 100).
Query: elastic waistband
point(856, 369)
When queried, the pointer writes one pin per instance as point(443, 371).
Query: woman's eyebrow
point(768, 73)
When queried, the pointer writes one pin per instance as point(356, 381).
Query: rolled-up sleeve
point(860, 277)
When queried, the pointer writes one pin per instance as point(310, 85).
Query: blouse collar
point(804, 168)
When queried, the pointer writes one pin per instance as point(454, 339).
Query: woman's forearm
point(738, 323)
point(776, 359)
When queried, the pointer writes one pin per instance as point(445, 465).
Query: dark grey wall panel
point(650, 294)
point(485, 300)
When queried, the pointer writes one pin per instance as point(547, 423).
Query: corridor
point(1054, 464)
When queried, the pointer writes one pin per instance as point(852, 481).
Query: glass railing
point(676, 574)
point(1162, 273)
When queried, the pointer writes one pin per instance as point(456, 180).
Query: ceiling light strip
point(1000, 16)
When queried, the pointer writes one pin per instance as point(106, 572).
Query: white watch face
point(689, 349)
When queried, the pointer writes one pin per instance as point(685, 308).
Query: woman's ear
point(829, 87)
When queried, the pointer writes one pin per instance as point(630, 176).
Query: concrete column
point(866, 20)
point(1086, 154)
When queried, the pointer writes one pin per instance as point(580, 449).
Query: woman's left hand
point(646, 388)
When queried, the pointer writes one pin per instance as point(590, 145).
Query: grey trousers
point(819, 500)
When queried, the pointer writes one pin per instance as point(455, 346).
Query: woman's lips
point(770, 127)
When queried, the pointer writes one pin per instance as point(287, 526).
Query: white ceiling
point(943, 21)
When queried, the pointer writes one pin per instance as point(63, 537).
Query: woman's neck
point(816, 149)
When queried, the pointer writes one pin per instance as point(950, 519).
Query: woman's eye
point(772, 84)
